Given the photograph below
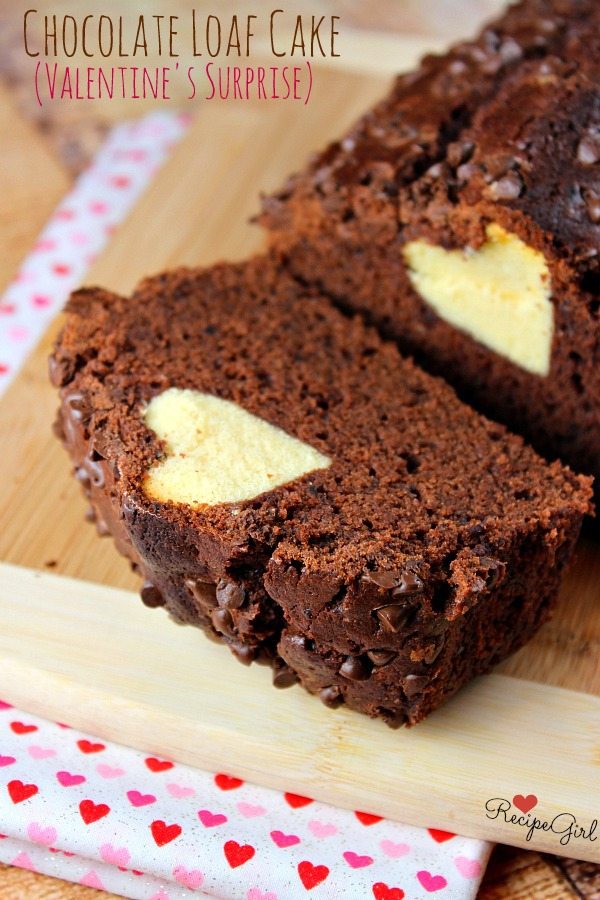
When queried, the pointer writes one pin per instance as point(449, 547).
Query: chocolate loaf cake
point(462, 217)
point(281, 477)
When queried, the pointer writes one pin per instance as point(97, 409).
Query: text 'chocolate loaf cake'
point(284, 479)
point(462, 217)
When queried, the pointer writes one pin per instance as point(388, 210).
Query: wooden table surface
point(41, 154)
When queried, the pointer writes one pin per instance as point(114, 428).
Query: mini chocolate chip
point(151, 596)
point(230, 595)
point(494, 569)
point(331, 696)
point(96, 470)
point(354, 669)
point(83, 477)
point(414, 684)
point(243, 653)
point(381, 657)
point(588, 149)
point(394, 616)
point(222, 621)
point(507, 188)
point(204, 594)
point(383, 579)
point(592, 206)
point(409, 584)
point(284, 677)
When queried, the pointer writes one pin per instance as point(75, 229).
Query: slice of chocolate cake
point(462, 217)
point(284, 479)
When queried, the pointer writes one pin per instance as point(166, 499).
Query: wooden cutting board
point(94, 656)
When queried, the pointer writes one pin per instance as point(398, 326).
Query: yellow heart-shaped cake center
point(499, 294)
point(218, 452)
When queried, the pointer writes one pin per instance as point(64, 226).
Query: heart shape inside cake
point(499, 294)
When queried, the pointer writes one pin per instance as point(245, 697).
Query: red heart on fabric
point(19, 791)
point(237, 854)
point(68, 780)
point(296, 801)
point(163, 833)
point(525, 804)
point(367, 818)
point(89, 746)
point(382, 892)
point(91, 812)
point(431, 882)
point(22, 728)
point(284, 840)
point(211, 820)
point(158, 765)
point(440, 836)
point(138, 799)
point(311, 875)
point(227, 782)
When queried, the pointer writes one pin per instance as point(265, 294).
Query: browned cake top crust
point(419, 481)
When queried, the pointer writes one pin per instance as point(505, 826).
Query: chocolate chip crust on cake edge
point(501, 130)
point(386, 580)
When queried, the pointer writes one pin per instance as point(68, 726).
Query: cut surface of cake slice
point(285, 479)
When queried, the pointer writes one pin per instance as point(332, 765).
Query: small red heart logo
point(310, 875)
point(440, 836)
point(227, 782)
point(19, 791)
point(89, 746)
point(382, 892)
point(296, 801)
point(158, 765)
point(163, 833)
point(525, 804)
point(237, 854)
point(91, 812)
point(367, 818)
point(21, 728)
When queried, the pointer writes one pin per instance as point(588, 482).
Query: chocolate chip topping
point(203, 593)
point(230, 595)
point(331, 697)
point(414, 684)
point(394, 616)
point(151, 596)
point(381, 657)
point(283, 675)
point(354, 669)
point(223, 621)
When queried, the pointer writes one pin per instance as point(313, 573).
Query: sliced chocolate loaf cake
point(283, 478)
point(462, 217)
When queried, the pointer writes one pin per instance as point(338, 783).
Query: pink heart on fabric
point(7, 309)
point(68, 780)
point(138, 799)
point(7, 761)
point(91, 879)
point(356, 861)
point(45, 244)
point(180, 791)
point(256, 894)
point(40, 835)
point(107, 771)
point(40, 752)
point(250, 810)
point(23, 861)
point(209, 819)
point(431, 882)
point(5, 705)
point(41, 301)
point(322, 829)
point(189, 878)
point(18, 333)
point(160, 895)
point(468, 868)
point(115, 856)
point(98, 207)
point(284, 840)
point(394, 850)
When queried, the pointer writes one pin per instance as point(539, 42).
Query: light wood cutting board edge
point(95, 656)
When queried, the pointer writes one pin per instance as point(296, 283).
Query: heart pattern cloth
point(79, 808)
point(89, 811)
